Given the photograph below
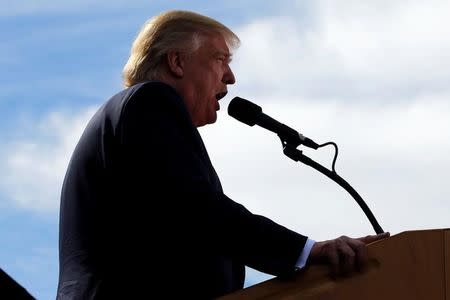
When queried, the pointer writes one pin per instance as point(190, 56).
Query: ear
point(175, 62)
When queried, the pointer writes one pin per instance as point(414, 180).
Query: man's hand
point(343, 254)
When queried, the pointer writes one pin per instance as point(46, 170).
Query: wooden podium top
point(410, 265)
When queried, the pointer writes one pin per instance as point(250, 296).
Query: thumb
point(372, 238)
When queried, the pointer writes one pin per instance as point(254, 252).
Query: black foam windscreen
point(244, 111)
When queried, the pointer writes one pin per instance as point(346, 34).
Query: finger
point(372, 238)
point(361, 253)
point(347, 257)
point(333, 259)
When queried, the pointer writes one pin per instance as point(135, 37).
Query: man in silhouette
point(143, 212)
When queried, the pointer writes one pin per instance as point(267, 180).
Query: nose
point(228, 76)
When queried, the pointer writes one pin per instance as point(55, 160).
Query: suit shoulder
point(152, 94)
point(154, 89)
point(149, 96)
point(154, 98)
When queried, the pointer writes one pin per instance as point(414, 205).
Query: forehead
point(215, 43)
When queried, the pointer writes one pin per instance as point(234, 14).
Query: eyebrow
point(228, 55)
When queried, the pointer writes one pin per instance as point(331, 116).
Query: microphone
point(251, 114)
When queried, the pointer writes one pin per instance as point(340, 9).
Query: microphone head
point(244, 111)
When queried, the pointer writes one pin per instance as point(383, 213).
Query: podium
point(411, 265)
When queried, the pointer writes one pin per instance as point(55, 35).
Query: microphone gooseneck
point(251, 114)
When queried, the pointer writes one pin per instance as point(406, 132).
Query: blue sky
point(373, 77)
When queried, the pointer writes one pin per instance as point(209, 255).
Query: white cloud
point(391, 58)
point(33, 167)
point(384, 50)
point(390, 40)
point(395, 156)
point(393, 152)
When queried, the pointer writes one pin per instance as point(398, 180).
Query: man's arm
point(343, 254)
point(160, 143)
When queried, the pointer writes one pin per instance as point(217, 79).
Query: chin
point(210, 121)
point(213, 119)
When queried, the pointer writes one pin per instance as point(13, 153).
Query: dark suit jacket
point(11, 289)
point(143, 211)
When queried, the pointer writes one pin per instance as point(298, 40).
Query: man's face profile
point(207, 73)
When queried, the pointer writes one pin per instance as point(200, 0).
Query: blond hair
point(172, 30)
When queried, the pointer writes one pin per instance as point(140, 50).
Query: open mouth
point(220, 95)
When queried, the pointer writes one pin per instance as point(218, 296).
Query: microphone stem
point(297, 155)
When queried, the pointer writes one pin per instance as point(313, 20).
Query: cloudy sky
point(372, 76)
